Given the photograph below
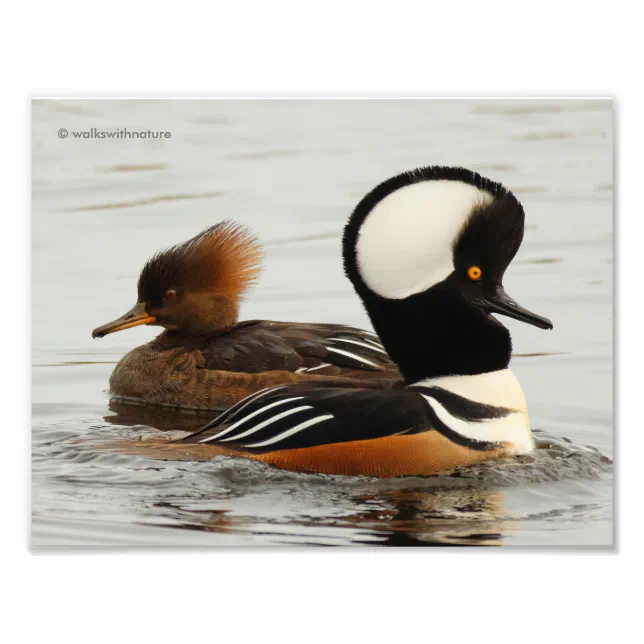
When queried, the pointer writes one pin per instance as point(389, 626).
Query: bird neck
point(204, 314)
point(435, 336)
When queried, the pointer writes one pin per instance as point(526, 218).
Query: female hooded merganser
point(426, 252)
point(205, 358)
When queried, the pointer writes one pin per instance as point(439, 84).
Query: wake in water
point(126, 476)
point(555, 459)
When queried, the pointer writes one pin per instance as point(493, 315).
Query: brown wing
point(316, 349)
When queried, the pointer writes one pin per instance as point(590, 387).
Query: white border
point(335, 49)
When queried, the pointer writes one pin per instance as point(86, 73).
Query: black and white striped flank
point(302, 415)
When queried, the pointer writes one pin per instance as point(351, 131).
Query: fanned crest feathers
point(224, 259)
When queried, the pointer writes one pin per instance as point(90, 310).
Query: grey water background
point(292, 171)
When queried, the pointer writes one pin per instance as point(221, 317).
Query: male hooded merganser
point(205, 358)
point(426, 252)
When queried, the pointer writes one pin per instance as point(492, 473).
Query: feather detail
point(224, 259)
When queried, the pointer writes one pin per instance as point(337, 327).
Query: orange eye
point(474, 273)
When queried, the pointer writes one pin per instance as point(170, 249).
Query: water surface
point(293, 171)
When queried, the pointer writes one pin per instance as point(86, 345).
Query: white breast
point(497, 388)
point(500, 388)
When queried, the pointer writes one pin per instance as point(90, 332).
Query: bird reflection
point(444, 517)
point(162, 418)
point(457, 517)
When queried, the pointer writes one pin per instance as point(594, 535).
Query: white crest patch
point(405, 244)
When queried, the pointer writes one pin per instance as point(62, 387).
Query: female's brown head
point(195, 287)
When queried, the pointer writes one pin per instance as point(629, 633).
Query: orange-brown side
point(414, 455)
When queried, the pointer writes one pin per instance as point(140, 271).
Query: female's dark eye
point(170, 294)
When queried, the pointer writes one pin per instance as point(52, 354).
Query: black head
point(426, 251)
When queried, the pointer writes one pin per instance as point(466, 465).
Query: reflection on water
point(293, 171)
point(142, 475)
point(165, 419)
point(395, 518)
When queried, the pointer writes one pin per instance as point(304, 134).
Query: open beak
point(502, 303)
point(134, 317)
